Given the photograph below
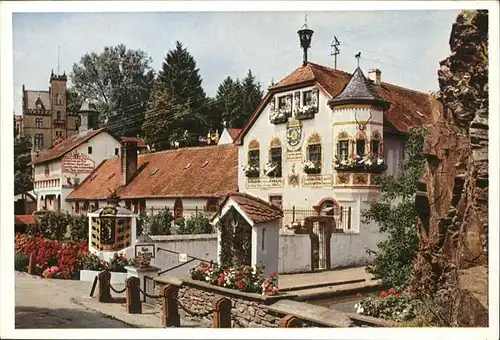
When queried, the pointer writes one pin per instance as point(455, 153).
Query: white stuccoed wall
point(294, 250)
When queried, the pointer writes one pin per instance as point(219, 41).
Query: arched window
point(59, 99)
point(360, 144)
point(343, 146)
point(375, 144)
point(178, 210)
point(328, 206)
point(275, 157)
point(86, 206)
point(314, 153)
point(253, 158)
point(211, 205)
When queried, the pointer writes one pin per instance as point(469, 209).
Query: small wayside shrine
point(248, 232)
point(112, 229)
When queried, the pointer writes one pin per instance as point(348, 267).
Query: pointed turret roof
point(359, 89)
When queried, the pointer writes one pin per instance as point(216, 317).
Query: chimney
point(375, 75)
point(128, 157)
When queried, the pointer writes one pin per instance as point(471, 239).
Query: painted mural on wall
point(77, 163)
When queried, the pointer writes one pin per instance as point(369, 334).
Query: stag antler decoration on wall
point(362, 126)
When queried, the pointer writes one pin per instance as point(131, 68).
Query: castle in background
point(45, 117)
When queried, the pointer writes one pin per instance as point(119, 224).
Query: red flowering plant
point(141, 261)
point(243, 278)
point(392, 305)
point(51, 273)
point(66, 256)
point(118, 263)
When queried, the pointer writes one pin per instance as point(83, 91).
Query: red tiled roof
point(408, 107)
point(60, 149)
point(233, 133)
point(140, 141)
point(24, 220)
point(255, 208)
point(189, 172)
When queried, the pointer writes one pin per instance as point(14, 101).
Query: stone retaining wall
point(249, 310)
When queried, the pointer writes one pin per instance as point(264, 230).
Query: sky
point(406, 46)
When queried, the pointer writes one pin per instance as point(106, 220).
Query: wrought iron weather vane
point(358, 56)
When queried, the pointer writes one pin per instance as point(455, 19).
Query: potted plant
point(93, 265)
point(311, 167)
point(272, 169)
point(251, 170)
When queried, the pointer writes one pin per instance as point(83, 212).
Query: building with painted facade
point(60, 169)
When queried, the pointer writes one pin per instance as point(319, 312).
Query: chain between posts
point(113, 289)
point(196, 314)
point(150, 296)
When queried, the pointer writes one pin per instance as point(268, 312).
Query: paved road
point(40, 303)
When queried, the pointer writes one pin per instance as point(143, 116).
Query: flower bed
point(248, 279)
point(66, 257)
point(390, 305)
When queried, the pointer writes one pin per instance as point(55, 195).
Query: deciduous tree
point(119, 81)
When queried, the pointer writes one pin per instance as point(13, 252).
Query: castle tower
point(58, 105)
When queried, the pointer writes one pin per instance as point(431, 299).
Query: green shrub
point(139, 226)
point(194, 224)
point(60, 225)
point(396, 214)
point(21, 262)
point(79, 228)
point(158, 224)
point(391, 305)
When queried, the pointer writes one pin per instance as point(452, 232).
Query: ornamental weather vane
point(357, 56)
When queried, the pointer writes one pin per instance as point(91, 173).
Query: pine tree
point(183, 84)
point(229, 102)
point(252, 96)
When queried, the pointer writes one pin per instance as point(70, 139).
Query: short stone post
point(133, 295)
point(290, 321)
point(103, 288)
point(32, 264)
point(222, 313)
point(170, 311)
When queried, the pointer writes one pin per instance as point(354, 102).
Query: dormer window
point(38, 106)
